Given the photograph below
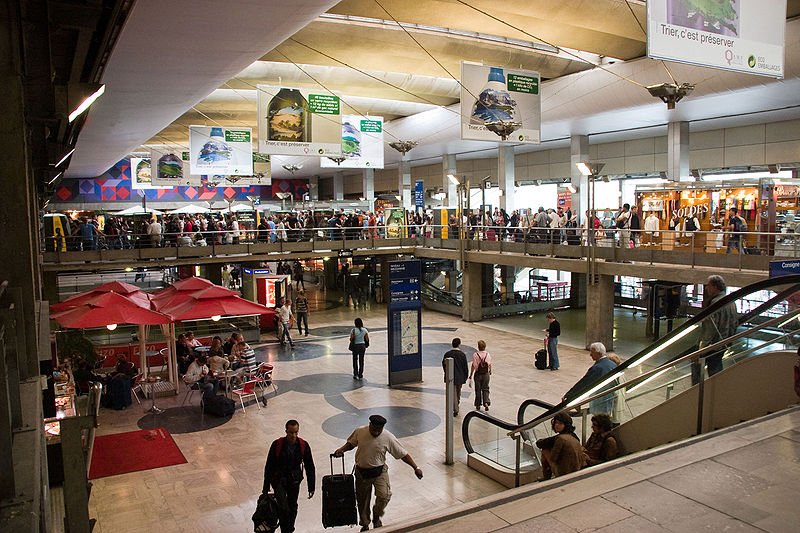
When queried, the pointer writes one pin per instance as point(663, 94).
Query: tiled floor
point(217, 488)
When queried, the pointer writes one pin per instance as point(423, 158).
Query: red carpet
point(134, 451)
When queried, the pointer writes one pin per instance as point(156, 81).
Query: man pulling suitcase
point(372, 443)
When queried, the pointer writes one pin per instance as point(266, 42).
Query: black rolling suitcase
point(339, 499)
point(540, 359)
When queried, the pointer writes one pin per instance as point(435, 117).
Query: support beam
point(368, 185)
point(449, 167)
point(600, 311)
point(678, 151)
point(338, 186)
point(472, 288)
point(506, 177)
point(579, 151)
point(404, 183)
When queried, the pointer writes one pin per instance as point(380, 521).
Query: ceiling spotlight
point(216, 318)
point(86, 103)
point(453, 180)
point(774, 169)
point(111, 327)
point(670, 93)
point(338, 159)
point(403, 146)
point(292, 168)
point(589, 169)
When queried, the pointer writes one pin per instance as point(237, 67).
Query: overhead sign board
point(786, 267)
point(362, 143)
point(500, 95)
point(739, 35)
point(218, 150)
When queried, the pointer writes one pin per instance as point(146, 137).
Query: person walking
point(359, 342)
point(287, 458)
point(482, 369)
point(371, 443)
point(285, 316)
point(301, 311)
point(297, 275)
point(718, 326)
point(459, 371)
point(552, 332)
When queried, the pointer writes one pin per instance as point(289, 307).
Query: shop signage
point(214, 150)
point(298, 122)
point(699, 210)
point(739, 35)
point(362, 143)
point(784, 268)
point(652, 205)
point(499, 94)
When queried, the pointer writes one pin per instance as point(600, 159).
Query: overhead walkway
point(652, 395)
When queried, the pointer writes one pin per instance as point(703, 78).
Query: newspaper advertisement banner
point(362, 143)
point(218, 150)
point(504, 99)
point(298, 122)
point(738, 35)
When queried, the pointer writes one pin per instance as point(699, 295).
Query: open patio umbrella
point(106, 309)
point(171, 298)
point(199, 308)
point(132, 292)
point(138, 210)
point(190, 209)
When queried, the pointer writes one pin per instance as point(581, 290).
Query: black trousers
point(286, 494)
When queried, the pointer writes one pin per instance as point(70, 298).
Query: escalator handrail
point(489, 418)
point(614, 375)
point(532, 401)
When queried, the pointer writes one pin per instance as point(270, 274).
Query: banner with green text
point(362, 143)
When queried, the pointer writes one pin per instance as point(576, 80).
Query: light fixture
point(571, 188)
point(403, 146)
point(216, 318)
point(64, 158)
point(487, 183)
point(670, 93)
point(589, 169)
point(774, 169)
point(86, 103)
point(111, 327)
point(54, 178)
point(326, 258)
point(128, 269)
point(453, 180)
point(339, 159)
point(292, 168)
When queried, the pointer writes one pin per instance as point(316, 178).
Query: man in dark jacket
point(460, 371)
point(284, 471)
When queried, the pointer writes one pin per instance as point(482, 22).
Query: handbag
point(351, 346)
point(366, 342)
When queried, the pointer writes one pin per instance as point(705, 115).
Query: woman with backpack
point(482, 369)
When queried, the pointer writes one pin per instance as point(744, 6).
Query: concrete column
point(50, 286)
point(449, 167)
point(338, 185)
point(577, 290)
point(368, 185)
point(600, 311)
point(212, 273)
point(509, 276)
point(472, 287)
point(505, 177)
point(678, 151)
point(313, 188)
point(579, 151)
point(404, 183)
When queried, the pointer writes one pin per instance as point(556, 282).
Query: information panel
point(739, 35)
point(405, 322)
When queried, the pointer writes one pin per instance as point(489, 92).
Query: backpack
point(483, 366)
point(265, 519)
point(738, 225)
point(691, 225)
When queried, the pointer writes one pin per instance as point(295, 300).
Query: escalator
point(653, 396)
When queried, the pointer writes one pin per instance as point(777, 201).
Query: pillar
point(508, 277)
point(506, 177)
point(338, 185)
point(577, 290)
point(404, 183)
point(313, 188)
point(678, 151)
point(212, 273)
point(368, 185)
point(600, 311)
point(579, 151)
point(472, 288)
point(449, 167)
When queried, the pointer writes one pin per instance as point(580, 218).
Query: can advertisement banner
point(362, 143)
point(499, 95)
point(218, 150)
point(298, 122)
point(738, 35)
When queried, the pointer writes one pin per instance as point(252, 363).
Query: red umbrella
point(175, 297)
point(130, 291)
point(109, 308)
point(198, 308)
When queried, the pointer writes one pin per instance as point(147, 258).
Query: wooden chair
point(248, 389)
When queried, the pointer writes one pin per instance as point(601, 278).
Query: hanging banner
point(142, 174)
point(170, 170)
point(498, 95)
point(739, 35)
point(298, 122)
point(362, 143)
point(419, 195)
point(217, 150)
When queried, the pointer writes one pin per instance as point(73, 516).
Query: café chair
point(264, 373)
point(247, 390)
point(136, 387)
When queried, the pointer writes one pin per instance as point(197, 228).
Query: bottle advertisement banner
point(172, 170)
point(142, 174)
point(362, 143)
point(298, 122)
point(504, 99)
point(218, 150)
point(738, 35)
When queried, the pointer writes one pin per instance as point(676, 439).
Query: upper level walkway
point(671, 257)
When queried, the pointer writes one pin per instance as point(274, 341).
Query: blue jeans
point(734, 241)
point(285, 334)
point(552, 351)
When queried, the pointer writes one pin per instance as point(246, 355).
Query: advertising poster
point(362, 143)
point(217, 150)
point(499, 95)
point(171, 169)
point(739, 35)
point(298, 122)
point(142, 174)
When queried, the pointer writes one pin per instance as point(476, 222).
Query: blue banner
point(419, 195)
point(786, 267)
point(404, 322)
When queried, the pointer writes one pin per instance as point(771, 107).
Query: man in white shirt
point(651, 225)
point(285, 316)
point(371, 443)
point(154, 231)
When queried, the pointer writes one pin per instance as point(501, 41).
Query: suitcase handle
point(332, 456)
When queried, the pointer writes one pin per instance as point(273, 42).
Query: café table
point(152, 388)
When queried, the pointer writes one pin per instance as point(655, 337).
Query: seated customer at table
point(197, 375)
point(125, 367)
point(228, 345)
point(183, 353)
point(191, 341)
point(247, 358)
point(216, 347)
point(218, 364)
point(601, 446)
